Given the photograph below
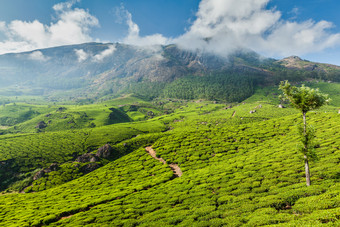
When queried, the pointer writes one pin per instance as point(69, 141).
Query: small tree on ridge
point(305, 99)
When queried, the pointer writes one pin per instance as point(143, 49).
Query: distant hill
point(295, 62)
point(95, 70)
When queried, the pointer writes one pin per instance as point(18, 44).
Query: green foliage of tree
point(305, 99)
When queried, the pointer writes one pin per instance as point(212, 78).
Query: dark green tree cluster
point(231, 87)
point(146, 90)
point(282, 73)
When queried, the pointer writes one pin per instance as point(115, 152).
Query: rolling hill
point(239, 169)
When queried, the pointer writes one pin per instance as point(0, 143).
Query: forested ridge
point(168, 69)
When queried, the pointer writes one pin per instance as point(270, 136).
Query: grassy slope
point(24, 153)
point(27, 152)
point(25, 117)
point(248, 174)
point(333, 89)
point(12, 114)
point(238, 169)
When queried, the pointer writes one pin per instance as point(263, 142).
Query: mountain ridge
point(95, 70)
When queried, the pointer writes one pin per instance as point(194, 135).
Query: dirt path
point(62, 218)
point(174, 167)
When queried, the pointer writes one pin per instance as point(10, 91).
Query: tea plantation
point(240, 165)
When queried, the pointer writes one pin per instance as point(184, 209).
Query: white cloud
point(222, 26)
point(64, 5)
point(37, 56)
point(300, 38)
point(105, 53)
point(72, 26)
point(81, 54)
point(133, 36)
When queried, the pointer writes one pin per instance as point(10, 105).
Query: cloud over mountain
point(222, 26)
point(81, 54)
point(37, 56)
point(72, 26)
point(105, 53)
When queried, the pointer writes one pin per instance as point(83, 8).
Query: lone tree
point(305, 99)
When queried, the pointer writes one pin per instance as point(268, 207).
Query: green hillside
point(239, 162)
point(30, 118)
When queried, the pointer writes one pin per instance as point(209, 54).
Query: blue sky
point(274, 28)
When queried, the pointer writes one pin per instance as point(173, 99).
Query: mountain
point(94, 70)
point(295, 62)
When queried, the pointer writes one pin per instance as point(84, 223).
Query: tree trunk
point(306, 150)
point(307, 171)
point(304, 123)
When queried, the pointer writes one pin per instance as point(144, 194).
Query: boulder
point(88, 157)
point(104, 151)
point(41, 173)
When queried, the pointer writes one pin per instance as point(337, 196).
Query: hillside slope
point(233, 174)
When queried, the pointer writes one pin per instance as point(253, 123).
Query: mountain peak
point(295, 58)
point(295, 62)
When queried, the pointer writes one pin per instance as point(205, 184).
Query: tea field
point(240, 165)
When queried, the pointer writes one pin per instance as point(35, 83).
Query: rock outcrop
point(41, 173)
point(104, 151)
point(88, 157)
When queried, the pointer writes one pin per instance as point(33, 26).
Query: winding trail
point(174, 167)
